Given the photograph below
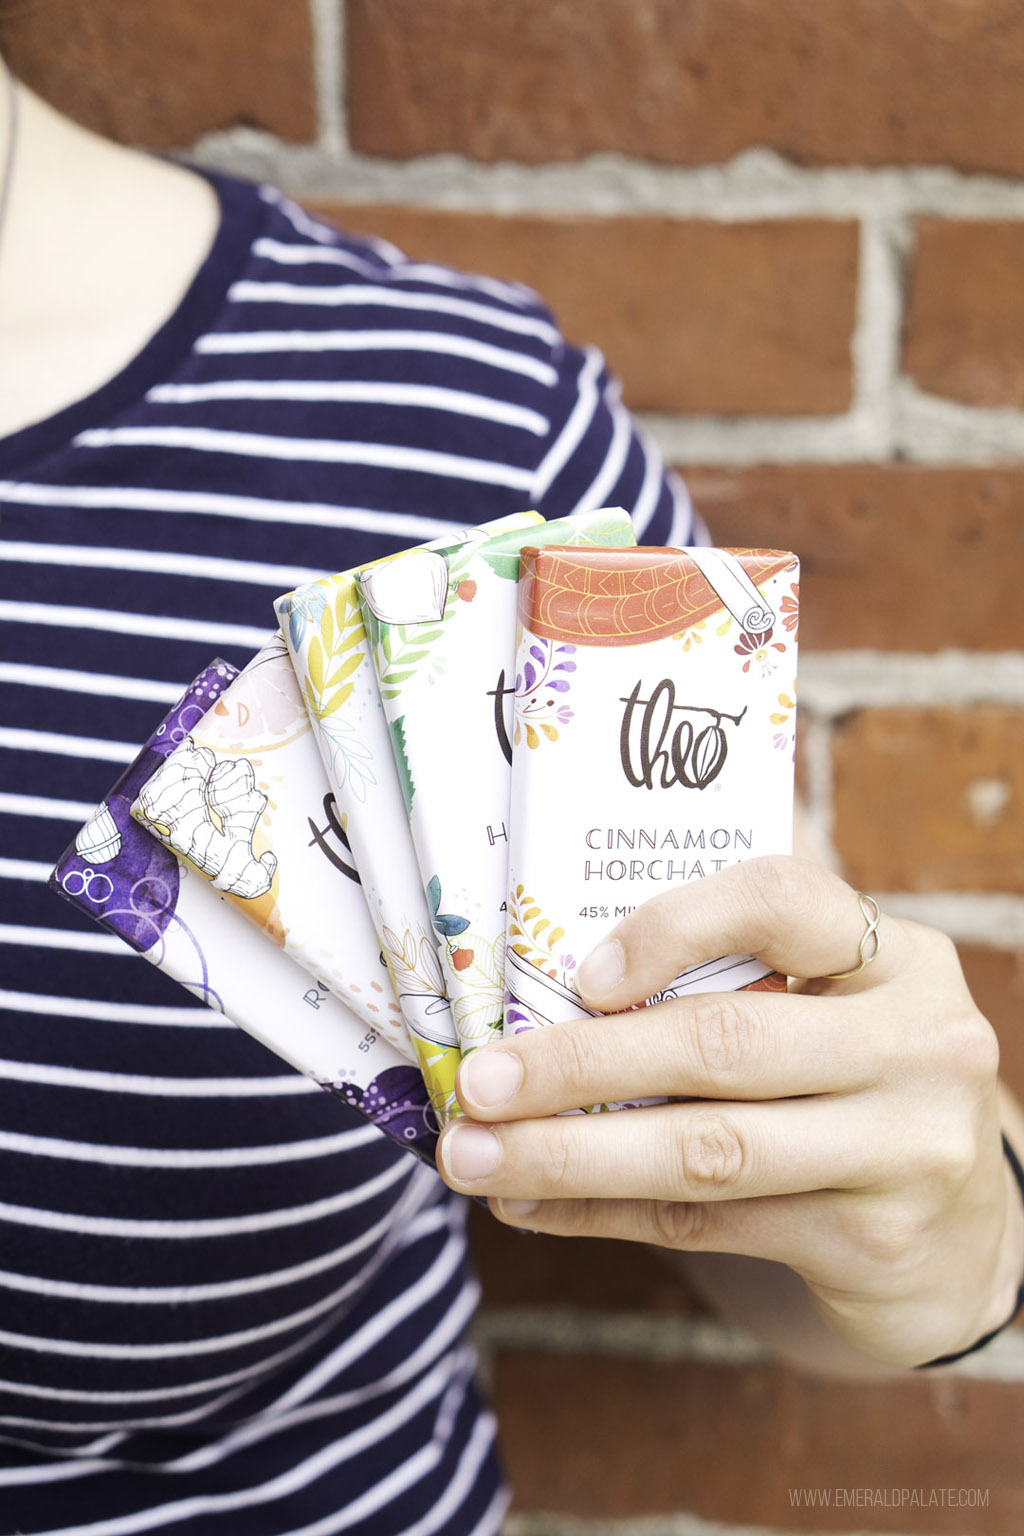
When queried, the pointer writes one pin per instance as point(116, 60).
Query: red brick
point(931, 799)
point(532, 1270)
point(996, 980)
point(692, 81)
point(619, 1438)
point(694, 316)
point(965, 313)
point(894, 557)
point(161, 75)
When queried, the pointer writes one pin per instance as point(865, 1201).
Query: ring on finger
point(870, 943)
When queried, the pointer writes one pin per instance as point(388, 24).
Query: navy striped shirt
point(226, 1304)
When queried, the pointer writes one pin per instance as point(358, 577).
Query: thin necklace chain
point(12, 146)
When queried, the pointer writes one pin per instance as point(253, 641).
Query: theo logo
point(652, 741)
point(499, 694)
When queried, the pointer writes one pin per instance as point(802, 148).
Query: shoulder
point(477, 353)
point(336, 279)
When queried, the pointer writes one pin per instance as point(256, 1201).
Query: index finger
point(795, 915)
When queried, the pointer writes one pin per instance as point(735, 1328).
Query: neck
point(99, 244)
point(9, 112)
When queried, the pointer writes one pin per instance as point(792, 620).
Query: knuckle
point(577, 1218)
point(713, 1155)
point(724, 1037)
point(575, 1062)
point(779, 887)
point(951, 1158)
point(937, 947)
point(976, 1051)
point(559, 1173)
point(679, 1224)
point(887, 1235)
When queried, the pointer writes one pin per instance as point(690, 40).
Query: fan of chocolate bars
point(396, 833)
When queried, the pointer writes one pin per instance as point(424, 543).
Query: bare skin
point(847, 1132)
point(100, 244)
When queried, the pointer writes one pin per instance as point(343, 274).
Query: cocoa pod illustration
point(708, 755)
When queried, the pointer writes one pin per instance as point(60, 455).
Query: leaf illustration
point(315, 664)
point(474, 1017)
point(296, 628)
point(434, 893)
point(357, 634)
point(450, 925)
point(345, 670)
point(396, 729)
point(487, 971)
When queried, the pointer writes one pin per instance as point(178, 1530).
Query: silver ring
point(870, 943)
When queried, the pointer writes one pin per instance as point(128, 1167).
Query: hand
point(848, 1129)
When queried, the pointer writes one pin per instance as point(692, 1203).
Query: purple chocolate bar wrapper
point(134, 892)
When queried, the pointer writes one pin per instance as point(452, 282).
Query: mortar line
point(552, 1523)
point(875, 344)
point(834, 683)
point(653, 1337)
point(328, 24)
point(757, 184)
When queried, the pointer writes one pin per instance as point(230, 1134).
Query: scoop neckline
point(242, 210)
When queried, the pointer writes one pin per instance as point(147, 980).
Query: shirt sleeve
point(597, 455)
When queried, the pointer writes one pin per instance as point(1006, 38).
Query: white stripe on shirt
point(115, 1156)
point(63, 938)
point(24, 869)
point(158, 626)
point(406, 271)
point(38, 805)
point(286, 1085)
point(67, 746)
point(217, 504)
point(357, 294)
point(608, 475)
point(236, 343)
point(163, 562)
point(571, 435)
point(200, 1227)
point(213, 1290)
point(64, 679)
point(113, 1012)
point(313, 450)
point(424, 397)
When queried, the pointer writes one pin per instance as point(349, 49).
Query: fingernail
point(517, 1210)
point(603, 970)
point(469, 1152)
point(490, 1077)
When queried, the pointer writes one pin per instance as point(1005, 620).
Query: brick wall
point(797, 229)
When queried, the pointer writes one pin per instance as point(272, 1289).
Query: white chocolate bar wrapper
point(654, 738)
point(244, 799)
point(126, 880)
point(323, 629)
point(441, 625)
